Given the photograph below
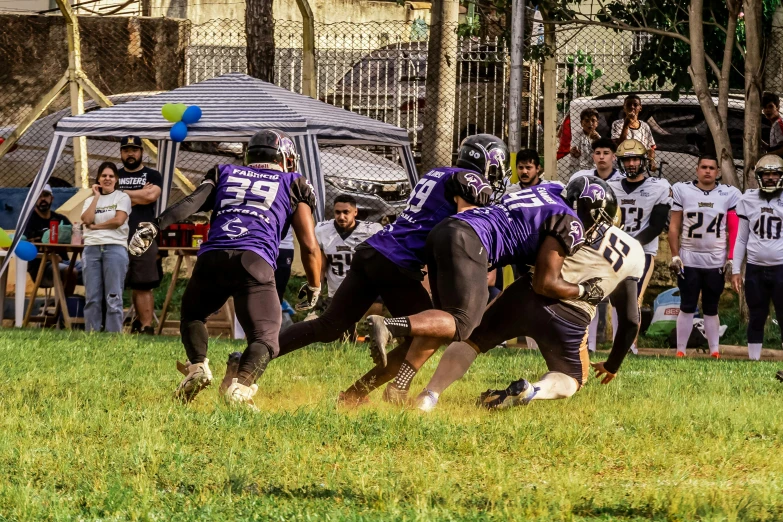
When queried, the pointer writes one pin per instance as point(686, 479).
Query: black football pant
point(762, 285)
point(250, 280)
point(708, 282)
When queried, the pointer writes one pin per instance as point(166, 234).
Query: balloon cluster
point(25, 250)
point(181, 116)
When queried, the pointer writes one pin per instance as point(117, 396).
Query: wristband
point(581, 290)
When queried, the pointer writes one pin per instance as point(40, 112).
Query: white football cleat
point(426, 401)
point(241, 395)
point(197, 377)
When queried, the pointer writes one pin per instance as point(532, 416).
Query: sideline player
point(760, 235)
point(529, 171)
point(644, 205)
point(390, 262)
point(558, 325)
point(252, 208)
point(702, 231)
point(532, 227)
point(603, 157)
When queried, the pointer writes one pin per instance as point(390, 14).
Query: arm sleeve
point(567, 229)
point(470, 186)
point(740, 245)
point(155, 177)
point(624, 300)
point(301, 191)
point(203, 198)
point(124, 204)
point(658, 217)
point(676, 197)
point(732, 225)
point(87, 203)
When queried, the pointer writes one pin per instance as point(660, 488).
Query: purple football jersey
point(431, 201)
point(253, 209)
point(512, 230)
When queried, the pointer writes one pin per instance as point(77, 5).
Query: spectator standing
point(143, 185)
point(39, 222)
point(582, 140)
point(770, 103)
point(603, 158)
point(701, 237)
point(105, 217)
point(631, 128)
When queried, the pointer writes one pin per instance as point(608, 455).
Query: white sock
point(754, 351)
point(684, 329)
point(555, 385)
point(614, 323)
point(712, 329)
point(592, 333)
point(455, 363)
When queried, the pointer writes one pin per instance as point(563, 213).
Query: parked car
point(389, 84)
point(380, 185)
point(680, 131)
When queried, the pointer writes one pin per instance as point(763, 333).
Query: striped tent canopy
point(234, 107)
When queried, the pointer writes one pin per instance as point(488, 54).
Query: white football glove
point(143, 238)
point(728, 267)
point(309, 297)
point(677, 267)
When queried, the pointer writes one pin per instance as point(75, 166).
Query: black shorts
point(560, 331)
point(457, 267)
point(762, 285)
point(144, 271)
point(705, 281)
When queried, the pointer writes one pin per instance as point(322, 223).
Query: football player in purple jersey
point(390, 264)
point(534, 226)
point(252, 208)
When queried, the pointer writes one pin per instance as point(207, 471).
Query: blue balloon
point(191, 115)
point(179, 132)
point(26, 251)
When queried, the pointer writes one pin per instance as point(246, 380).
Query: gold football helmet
point(770, 164)
point(632, 149)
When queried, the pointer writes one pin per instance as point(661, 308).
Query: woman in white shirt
point(105, 257)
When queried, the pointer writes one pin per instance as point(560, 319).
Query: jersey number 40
point(768, 227)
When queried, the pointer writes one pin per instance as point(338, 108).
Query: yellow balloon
point(5, 239)
point(173, 111)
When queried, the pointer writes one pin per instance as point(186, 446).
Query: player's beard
point(44, 206)
point(130, 163)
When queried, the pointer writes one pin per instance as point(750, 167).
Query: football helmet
point(272, 146)
point(770, 164)
point(594, 202)
point(632, 149)
point(488, 155)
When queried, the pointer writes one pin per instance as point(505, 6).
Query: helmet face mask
point(272, 146)
point(767, 167)
point(489, 156)
point(627, 153)
point(594, 203)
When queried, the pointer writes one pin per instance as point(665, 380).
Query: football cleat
point(394, 395)
point(680, 354)
point(427, 400)
point(518, 393)
point(241, 395)
point(352, 401)
point(232, 369)
point(379, 336)
point(197, 377)
point(715, 355)
point(779, 375)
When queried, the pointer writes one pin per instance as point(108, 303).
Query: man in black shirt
point(143, 185)
point(39, 223)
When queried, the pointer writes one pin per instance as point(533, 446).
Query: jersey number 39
point(262, 193)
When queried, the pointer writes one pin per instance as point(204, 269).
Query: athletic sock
point(555, 385)
point(754, 351)
point(592, 333)
point(404, 376)
point(712, 330)
point(398, 326)
point(684, 329)
point(454, 364)
point(614, 323)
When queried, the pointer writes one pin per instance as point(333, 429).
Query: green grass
point(88, 432)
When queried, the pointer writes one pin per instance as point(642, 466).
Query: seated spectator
point(38, 225)
point(631, 128)
point(770, 103)
point(105, 217)
point(528, 171)
point(582, 140)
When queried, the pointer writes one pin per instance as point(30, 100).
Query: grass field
point(88, 432)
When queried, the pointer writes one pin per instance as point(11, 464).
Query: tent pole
point(309, 75)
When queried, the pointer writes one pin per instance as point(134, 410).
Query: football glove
point(676, 266)
point(308, 296)
point(590, 291)
point(728, 267)
point(143, 238)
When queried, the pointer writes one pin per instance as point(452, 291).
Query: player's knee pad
point(709, 308)
point(688, 308)
point(464, 325)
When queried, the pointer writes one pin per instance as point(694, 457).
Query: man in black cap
point(143, 185)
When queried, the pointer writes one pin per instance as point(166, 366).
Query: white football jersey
point(704, 237)
point(636, 206)
point(765, 237)
point(614, 258)
point(616, 174)
point(339, 250)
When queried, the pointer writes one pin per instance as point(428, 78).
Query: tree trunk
point(698, 73)
point(753, 86)
point(260, 33)
point(441, 93)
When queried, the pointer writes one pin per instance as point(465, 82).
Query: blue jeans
point(104, 269)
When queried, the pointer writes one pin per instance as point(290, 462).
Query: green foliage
point(90, 433)
point(644, 84)
point(580, 75)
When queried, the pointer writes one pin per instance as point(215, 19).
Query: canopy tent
point(235, 106)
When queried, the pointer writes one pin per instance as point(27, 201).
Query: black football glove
point(590, 291)
point(308, 296)
point(143, 238)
